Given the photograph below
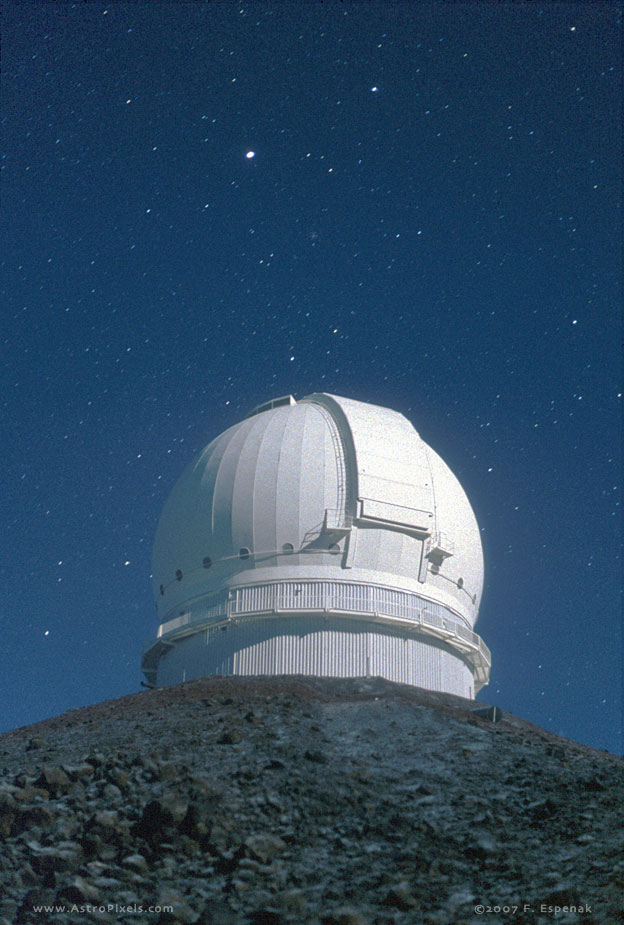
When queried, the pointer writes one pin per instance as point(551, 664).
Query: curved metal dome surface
point(328, 506)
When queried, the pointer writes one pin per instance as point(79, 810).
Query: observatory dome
point(323, 537)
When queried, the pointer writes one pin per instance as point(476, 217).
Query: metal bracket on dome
point(337, 522)
point(442, 548)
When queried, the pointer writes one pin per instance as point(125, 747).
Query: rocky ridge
point(269, 801)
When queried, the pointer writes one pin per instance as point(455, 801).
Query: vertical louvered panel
point(302, 645)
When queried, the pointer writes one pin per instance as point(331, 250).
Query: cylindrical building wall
point(305, 645)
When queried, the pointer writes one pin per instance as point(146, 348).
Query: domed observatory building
point(319, 537)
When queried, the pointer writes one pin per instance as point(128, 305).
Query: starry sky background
point(431, 221)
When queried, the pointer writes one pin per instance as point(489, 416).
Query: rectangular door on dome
point(396, 515)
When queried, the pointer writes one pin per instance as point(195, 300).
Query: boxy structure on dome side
point(319, 537)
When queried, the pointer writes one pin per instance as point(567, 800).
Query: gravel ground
point(303, 800)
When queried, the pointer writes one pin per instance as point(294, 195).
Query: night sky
point(208, 205)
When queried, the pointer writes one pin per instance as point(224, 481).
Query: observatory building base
point(319, 537)
point(333, 647)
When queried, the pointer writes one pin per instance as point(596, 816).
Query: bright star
point(250, 154)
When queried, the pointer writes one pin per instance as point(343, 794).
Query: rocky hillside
point(292, 800)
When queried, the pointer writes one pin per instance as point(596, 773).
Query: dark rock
point(265, 917)
point(400, 896)
point(193, 824)
point(219, 913)
point(78, 771)
point(118, 777)
point(35, 743)
point(107, 819)
point(96, 759)
point(177, 911)
point(54, 780)
point(111, 794)
point(481, 847)
point(540, 810)
point(65, 856)
point(264, 847)
point(230, 737)
point(292, 902)
point(8, 811)
point(79, 891)
point(593, 784)
point(228, 860)
point(136, 862)
point(346, 915)
point(155, 820)
point(27, 817)
point(25, 792)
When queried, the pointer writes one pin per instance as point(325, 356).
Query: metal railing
point(350, 599)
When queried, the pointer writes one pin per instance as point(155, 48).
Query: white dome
point(322, 498)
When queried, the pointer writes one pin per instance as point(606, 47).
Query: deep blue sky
point(431, 221)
